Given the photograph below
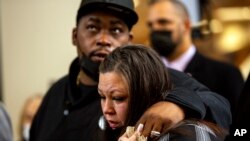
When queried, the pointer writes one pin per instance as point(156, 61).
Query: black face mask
point(162, 42)
point(90, 68)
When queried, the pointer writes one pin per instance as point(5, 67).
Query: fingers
point(152, 123)
point(140, 129)
point(133, 138)
point(124, 137)
point(157, 126)
point(159, 117)
point(148, 127)
point(153, 128)
point(142, 121)
point(154, 134)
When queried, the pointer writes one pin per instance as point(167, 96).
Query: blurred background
point(36, 49)
point(220, 29)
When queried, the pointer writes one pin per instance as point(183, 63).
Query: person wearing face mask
point(30, 108)
point(170, 35)
point(71, 110)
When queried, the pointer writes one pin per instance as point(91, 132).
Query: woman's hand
point(124, 137)
point(132, 135)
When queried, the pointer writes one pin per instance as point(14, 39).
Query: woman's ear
point(74, 36)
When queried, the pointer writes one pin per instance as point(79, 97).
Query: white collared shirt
point(181, 62)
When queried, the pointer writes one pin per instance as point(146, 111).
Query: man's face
point(164, 16)
point(114, 93)
point(99, 33)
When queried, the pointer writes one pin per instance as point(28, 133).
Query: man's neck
point(85, 79)
point(178, 52)
point(182, 61)
point(181, 49)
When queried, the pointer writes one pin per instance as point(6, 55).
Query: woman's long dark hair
point(145, 74)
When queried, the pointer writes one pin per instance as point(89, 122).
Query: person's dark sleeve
point(231, 84)
point(198, 101)
point(241, 118)
point(5, 125)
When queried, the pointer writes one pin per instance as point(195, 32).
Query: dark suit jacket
point(219, 77)
point(241, 117)
point(243, 107)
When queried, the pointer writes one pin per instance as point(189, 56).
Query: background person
point(5, 125)
point(170, 35)
point(30, 108)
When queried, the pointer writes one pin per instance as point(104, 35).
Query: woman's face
point(114, 92)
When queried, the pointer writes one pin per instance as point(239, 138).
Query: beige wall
point(36, 47)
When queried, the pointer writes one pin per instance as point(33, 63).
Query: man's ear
point(74, 36)
point(188, 25)
point(131, 37)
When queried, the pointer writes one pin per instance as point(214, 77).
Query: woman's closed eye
point(119, 98)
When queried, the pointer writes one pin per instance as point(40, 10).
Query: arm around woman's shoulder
point(198, 101)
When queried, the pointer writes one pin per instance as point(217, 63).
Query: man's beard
point(90, 67)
